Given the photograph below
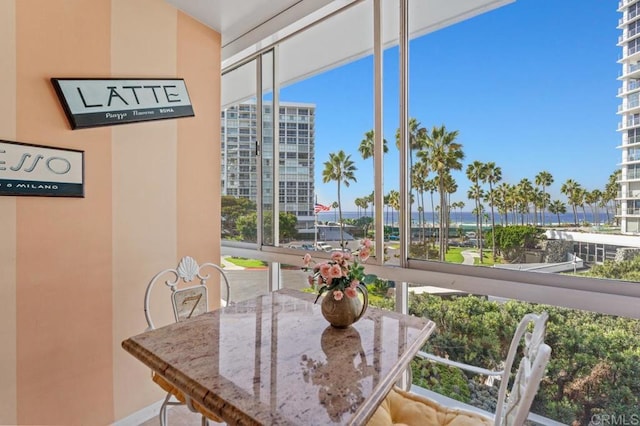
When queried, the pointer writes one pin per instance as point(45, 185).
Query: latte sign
point(105, 102)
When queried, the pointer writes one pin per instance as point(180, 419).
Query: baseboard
point(140, 416)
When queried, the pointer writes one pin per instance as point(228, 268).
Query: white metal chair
point(187, 302)
point(512, 407)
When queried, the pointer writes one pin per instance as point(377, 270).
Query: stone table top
point(275, 360)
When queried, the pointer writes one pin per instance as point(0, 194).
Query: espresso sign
point(40, 170)
point(105, 102)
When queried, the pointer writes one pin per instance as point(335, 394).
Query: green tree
point(287, 223)
point(513, 241)
point(443, 154)
point(232, 209)
point(247, 228)
point(340, 169)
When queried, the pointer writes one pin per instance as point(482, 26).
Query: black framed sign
point(27, 169)
point(89, 102)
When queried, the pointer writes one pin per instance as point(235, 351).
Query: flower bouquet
point(341, 278)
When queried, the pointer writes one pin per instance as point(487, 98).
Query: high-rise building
point(629, 110)
point(295, 182)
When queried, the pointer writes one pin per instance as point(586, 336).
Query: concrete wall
point(73, 271)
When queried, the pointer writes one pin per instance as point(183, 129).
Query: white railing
point(605, 296)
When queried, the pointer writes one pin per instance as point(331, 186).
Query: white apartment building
point(629, 110)
point(296, 156)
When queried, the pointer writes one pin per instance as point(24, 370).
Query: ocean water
point(467, 218)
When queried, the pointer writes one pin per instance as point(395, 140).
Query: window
point(530, 161)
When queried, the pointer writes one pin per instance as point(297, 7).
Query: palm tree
point(492, 175)
point(536, 201)
point(475, 172)
point(611, 192)
point(419, 175)
point(394, 202)
point(503, 192)
point(557, 207)
point(476, 193)
point(417, 140)
point(544, 179)
point(458, 205)
point(432, 186)
point(450, 187)
point(340, 169)
point(593, 199)
point(366, 147)
point(370, 200)
point(385, 200)
point(334, 206)
point(358, 204)
point(570, 188)
point(525, 196)
point(580, 195)
point(443, 154)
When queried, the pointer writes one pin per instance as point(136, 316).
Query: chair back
point(513, 410)
point(187, 301)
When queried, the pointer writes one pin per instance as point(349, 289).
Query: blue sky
point(531, 86)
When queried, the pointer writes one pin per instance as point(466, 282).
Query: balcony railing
point(633, 174)
point(623, 3)
point(628, 194)
point(628, 34)
point(629, 140)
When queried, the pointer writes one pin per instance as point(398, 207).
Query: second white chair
point(512, 408)
point(187, 301)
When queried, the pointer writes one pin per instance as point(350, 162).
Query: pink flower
point(364, 254)
point(367, 243)
point(336, 271)
point(306, 260)
point(354, 283)
point(325, 270)
point(347, 256)
point(337, 294)
point(351, 292)
point(311, 280)
point(336, 256)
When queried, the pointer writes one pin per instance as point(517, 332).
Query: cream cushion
point(404, 408)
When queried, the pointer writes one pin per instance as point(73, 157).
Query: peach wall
point(63, 244)
point(8, 410)
point(144, 191)
point(199, 170)
point(73, 270)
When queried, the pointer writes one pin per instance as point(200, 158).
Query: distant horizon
point(467, 217)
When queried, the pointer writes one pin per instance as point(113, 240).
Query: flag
point(320, 208)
